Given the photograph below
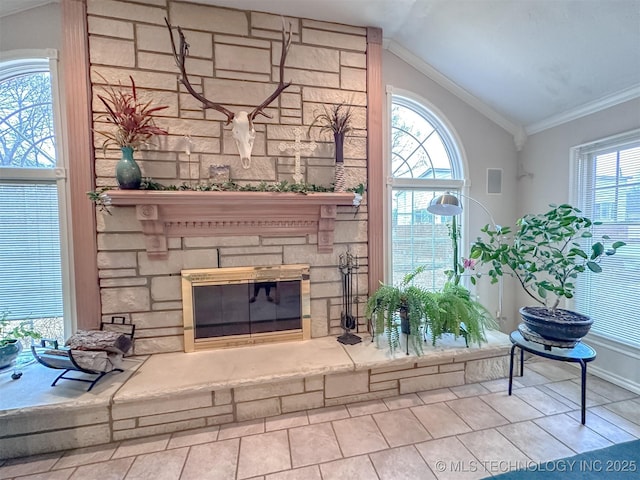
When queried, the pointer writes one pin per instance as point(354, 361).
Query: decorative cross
point(297, 147)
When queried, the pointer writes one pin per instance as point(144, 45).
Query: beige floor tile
point(607, 389)
point(469, 390)
point(193, 437)
point(534, 442)
point(571, 391)
point(511, 407)
point(64, 474)
point(304, 473)
point(553, 370)
point(476, 413)
point(264, 453)
point(440, 420)
point(289, 420)
point(530, 377)
point(366, 408)
point(356, 468)
point(617, 420)
point(629, 409)
point(359, 435)
point(500, 385)
point(572, 433)
point(449, 459)
point(213, 461)
point(111, 469)
point(436, 396)
point(235, 430)
point(138, 446)
point(403, 463)
point(561, 398)
point(83, 456)
point(29, 465)
point(497, 454)
point(401, 427)
point(313, 444)
point(402, 401)
point(327, 414)
point(541, 401)
point(598, 424)
point(166, 465)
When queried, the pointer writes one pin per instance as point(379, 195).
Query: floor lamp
point(448, 205)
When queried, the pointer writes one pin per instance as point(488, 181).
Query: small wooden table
point(581, 353)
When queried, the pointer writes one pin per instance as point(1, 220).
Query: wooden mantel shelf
point(165, 214)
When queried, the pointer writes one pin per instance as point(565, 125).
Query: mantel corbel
point(165, 214)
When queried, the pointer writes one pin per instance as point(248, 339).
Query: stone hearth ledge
point(170, 392)
point(168, 373)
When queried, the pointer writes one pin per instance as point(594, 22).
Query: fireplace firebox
point(224, 307)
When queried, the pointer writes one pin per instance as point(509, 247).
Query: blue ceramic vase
point(128, 172)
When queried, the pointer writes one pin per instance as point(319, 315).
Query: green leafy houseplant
point(545, 254)
point(11, 334)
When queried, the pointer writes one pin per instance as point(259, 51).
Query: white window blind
point(31, 280)
point(608, 190)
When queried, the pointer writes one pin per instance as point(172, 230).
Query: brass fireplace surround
point(238, 275)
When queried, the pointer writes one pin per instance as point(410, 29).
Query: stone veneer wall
point(234, 57)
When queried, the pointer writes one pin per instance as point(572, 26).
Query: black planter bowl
point(563, 326)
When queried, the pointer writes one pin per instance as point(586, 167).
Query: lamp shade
point(447, 205)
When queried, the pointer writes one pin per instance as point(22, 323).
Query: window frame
point(579, 180)
point(457, 156)
point(26, 61)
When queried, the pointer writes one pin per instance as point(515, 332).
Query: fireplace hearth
point(224, 307)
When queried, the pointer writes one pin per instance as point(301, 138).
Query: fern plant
point(459, 314)
point(389, 304)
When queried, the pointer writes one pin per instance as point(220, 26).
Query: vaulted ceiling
point(524, 63)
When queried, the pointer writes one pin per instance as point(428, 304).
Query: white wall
point(35, 28)
point(546, 157)
point(486, 146)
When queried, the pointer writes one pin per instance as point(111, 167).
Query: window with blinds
point(31, 283)
point(424, 163)
point(607, 189)
point(31, 280)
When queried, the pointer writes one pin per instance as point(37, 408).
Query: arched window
point(425, 162)
point(32, 192)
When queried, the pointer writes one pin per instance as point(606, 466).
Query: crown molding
point(586, 109)
point(426, 69)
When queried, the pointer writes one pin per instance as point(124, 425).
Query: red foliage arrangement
point(132, 118)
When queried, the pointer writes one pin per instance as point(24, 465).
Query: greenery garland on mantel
point(98, 197)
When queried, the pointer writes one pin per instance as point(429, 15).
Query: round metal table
point(581, 353)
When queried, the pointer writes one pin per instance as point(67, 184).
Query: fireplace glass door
point(246, 308)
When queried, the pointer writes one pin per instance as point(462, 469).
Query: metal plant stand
point(349, 322)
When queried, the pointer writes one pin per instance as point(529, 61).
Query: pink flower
point(468, 263)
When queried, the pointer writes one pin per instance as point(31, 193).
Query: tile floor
point(467, 432)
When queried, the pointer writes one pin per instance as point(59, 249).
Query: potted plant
point(10, 336)
point(545, 254)
point(336, 120)
point(134, 125)
point(401, 309)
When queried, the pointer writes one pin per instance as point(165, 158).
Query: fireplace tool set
point(348, 265)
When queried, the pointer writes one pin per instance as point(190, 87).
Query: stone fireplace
point(226, 307)
point(150, 237)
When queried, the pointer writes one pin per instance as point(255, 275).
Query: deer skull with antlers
point(243, 132)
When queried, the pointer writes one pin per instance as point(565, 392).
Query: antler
point(180, 62)
point(286, 43)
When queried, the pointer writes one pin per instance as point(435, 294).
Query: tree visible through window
point(26, 122)
point(424, 163)
point(30, 261)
